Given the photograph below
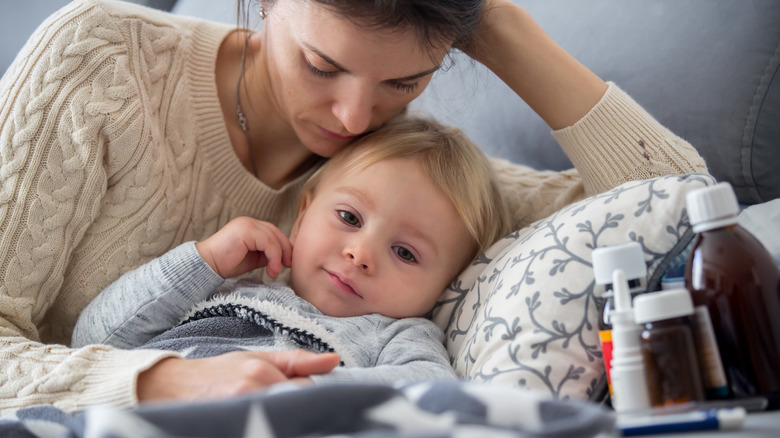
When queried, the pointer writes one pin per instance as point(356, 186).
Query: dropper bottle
point(629, 376)
point(629, 258)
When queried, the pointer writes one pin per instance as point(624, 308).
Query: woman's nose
point(354, 108)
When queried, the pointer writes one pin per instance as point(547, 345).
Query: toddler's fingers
point(275, 246)
point(285, 246)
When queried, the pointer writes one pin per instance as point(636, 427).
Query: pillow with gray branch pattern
point(526, 312)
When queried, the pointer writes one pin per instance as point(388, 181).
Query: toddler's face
point(381, 240)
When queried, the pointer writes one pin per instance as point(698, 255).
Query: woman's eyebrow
point(417, 75)
point(340, 67)
point(327, 59)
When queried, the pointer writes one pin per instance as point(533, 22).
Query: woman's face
point(332, 80)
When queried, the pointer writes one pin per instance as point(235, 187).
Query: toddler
point(383, 227)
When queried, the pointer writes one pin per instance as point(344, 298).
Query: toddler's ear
point(301, 210)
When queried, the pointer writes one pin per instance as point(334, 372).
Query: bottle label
point(714, 375)
point(606, 350)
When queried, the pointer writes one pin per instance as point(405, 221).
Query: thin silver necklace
point(240, 112)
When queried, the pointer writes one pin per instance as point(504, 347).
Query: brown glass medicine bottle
point(731, 273)
point(668, 347)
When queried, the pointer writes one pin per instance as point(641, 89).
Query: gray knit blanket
point(423, 410)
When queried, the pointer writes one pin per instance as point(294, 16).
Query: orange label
point(606, 350)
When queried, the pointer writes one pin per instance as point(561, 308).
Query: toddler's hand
point(244, 244)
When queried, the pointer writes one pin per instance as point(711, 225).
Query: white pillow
point(526, 312)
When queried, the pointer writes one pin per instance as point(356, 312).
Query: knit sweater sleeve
point(148, 300)
point(57, 102)
point(616, 142)
point(408, 350)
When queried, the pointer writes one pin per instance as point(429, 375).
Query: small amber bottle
point(668, 347)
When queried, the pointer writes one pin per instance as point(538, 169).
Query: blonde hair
point(455, 165)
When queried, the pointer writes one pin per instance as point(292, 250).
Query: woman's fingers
point(228, 375)
point(300, 363)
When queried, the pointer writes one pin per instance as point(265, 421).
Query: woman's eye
point(404, 254)
point(349, 218)
point(320, 73)
point(406, 88)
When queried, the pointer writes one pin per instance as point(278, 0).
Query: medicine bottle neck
point(667, 323)
point(729, 222)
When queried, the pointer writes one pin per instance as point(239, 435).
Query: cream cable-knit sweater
point(114, 150)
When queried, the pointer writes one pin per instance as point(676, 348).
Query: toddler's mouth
point(343, 285)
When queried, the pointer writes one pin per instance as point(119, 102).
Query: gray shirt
point(177, 302)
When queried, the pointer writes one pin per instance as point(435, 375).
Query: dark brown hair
point(436, 22)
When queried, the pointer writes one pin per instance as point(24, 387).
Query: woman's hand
point(245, 244)
point(542, 73)
point(229, 374)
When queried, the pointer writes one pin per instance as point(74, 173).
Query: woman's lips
point(335, 136)
point(342, 285)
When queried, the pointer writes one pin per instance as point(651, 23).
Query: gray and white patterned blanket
point(430, 410)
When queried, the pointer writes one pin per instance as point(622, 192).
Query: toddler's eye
point(349, 218)
point(404, 254)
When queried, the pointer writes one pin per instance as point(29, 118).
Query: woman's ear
point(301, 210)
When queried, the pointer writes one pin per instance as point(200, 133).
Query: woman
point(126, 131)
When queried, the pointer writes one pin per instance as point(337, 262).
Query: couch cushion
point(761, 143)
point(525, 313)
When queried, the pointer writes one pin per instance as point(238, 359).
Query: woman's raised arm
point(557, 86)
point(609, 138)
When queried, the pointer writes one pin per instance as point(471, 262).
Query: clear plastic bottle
point(732, 275)
point(628, 258)
point(668, 347)
point(629, 375)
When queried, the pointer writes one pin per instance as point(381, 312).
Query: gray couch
point(707, 69)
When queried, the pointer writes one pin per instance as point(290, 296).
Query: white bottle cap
point(731, 419)
point(712, 207)
point(658, 306)
point(626, 257)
